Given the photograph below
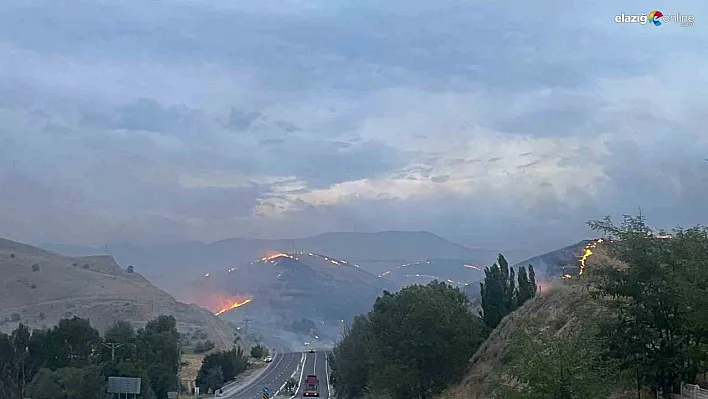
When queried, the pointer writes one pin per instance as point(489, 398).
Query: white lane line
point(302, 371)
point(262, 377)
point(314, 365)
point(329, 387)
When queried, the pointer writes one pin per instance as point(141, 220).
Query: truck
point(312, 386)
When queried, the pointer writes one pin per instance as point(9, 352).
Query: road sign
point(265, 390)
point(123, 385)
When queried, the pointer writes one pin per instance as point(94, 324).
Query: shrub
point(202, 347)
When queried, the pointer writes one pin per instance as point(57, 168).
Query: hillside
point(457, 272)
point(282, 289)
point(39, 288)
point(170, 266)
point(559, 262)
point(559, 307)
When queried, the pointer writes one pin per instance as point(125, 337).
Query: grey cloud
point(105, 106)
point(440, 179)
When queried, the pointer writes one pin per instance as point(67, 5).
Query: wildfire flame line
point(587, 253)
point(234, 306)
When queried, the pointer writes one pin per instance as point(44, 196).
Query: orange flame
point(234, 305)
point(587, 253)
point(270, 255)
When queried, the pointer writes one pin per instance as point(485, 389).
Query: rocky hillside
point(39, 288)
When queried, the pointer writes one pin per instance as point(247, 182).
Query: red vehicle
point(312, 386)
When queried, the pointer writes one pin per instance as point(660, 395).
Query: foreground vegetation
point(72, 360)
point(416, 342)
point(636, 322)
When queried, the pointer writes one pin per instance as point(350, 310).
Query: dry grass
point(558, 308)
point(42, 288)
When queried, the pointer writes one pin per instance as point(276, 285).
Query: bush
point(258, 351)
point(42, 316)
point(85, 266)
point(202, 347)
point(130, 269)
point(35, 267)
point(15, 317)
point(220, 367)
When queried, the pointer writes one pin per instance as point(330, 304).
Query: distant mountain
point(456, 272)
point(283, 289)
point(39, 288)
point(170, 266)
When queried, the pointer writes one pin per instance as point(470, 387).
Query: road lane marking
point(302, 371)
point(329, 388)
point(260, 378)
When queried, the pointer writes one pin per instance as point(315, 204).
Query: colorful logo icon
point(655, 17)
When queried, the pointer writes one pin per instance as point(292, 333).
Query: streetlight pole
point(112, 346)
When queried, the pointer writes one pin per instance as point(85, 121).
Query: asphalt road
point(282, 367)
point(316, 363)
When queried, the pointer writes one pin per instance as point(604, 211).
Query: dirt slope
point(38, 288)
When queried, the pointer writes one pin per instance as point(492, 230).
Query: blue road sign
point(265, 389)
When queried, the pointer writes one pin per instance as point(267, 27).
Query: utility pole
point(112, 346)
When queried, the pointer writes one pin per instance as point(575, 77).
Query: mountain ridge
point(40, 288)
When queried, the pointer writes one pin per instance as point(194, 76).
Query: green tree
point(213, 379)
point(350, 360)
point(527, 285)
point(258, 351)
point(568, 364)
point(230, 364)
point(500, 292)
point(158, 347)
point(417, 341)
point(658, 300)
point(71, 343)
point(121, 333)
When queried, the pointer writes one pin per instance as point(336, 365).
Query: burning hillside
point(218, 302)
point(234, 304)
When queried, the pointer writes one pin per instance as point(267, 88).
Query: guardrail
point(691, 391)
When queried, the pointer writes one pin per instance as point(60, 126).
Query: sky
point(494, 124)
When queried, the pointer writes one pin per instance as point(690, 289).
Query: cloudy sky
point(496, 124)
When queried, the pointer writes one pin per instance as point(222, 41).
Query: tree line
point(418, 341)
point(72, 361)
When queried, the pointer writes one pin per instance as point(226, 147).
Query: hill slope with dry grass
point(559, 307)
point(38, 288)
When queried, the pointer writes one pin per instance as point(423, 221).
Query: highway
point(282, 367)
point(315, 363)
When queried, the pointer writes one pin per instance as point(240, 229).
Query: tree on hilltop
point(500, 293)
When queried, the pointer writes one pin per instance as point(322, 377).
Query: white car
point(268, 359)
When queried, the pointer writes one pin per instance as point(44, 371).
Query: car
point(311, 350)
point(268, 359)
